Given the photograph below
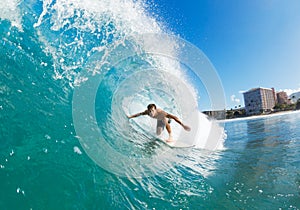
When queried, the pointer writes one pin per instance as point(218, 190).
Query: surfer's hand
point(187, 128)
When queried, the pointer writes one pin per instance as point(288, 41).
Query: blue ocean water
point(45, 47)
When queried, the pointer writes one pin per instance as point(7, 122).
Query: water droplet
point(12, 153)
point(77, 150)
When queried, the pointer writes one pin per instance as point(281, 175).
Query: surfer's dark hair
point(150, 106)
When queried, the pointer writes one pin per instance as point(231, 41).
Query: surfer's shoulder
point(160, 111)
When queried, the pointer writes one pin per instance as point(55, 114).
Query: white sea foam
point(89, 16)
point(9, 10)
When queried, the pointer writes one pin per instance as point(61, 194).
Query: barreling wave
point(64, 44)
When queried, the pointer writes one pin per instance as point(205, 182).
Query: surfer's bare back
point(162, 120)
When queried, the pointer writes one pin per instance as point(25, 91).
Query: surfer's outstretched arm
point(138, 114)
point(187, 128)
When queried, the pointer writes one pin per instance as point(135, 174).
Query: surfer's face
point(152, 112)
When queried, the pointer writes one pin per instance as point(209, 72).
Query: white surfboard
point(176, 144)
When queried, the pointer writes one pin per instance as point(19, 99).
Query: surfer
point(163, 120)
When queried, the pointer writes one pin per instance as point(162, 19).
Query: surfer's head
point(150, 106)
point(151, 109)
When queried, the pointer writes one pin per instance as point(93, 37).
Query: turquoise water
point(258, 170)
point(45, 47)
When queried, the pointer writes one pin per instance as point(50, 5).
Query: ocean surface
point(72, 70)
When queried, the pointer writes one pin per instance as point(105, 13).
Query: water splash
point(9, 10)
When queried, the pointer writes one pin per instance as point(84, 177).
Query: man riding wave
point(163, 120)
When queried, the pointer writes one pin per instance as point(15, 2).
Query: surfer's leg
point(168, 127)
point(159, 127)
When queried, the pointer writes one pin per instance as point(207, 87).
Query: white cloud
point(234, 99)
point(290, 91)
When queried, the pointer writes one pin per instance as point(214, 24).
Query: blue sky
point(253, 43)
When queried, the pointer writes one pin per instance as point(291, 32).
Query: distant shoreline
point(260, 116)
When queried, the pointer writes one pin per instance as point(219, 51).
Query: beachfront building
point(259, 100)
point(295, 97)
point(218, 114)
point(282, 98)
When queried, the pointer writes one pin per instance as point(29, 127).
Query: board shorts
point(160, 124)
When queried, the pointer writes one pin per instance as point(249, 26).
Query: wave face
point(53, 50)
